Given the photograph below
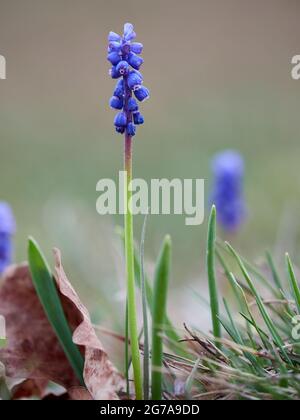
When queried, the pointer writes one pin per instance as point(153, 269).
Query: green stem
point(129, 251)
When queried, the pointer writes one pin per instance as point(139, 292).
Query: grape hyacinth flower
point(124, 56)
point(7, 230)
point(227, 193)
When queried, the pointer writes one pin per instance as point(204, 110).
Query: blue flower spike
point(7, 230)
point(227, 194)
point(124, 55)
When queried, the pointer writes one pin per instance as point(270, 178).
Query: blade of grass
point(190, 380)
point(145, 316)
point(127, 363)
point(162, 274)
point(128, 358)
point(275, 275)
point(170, 329)
point(252, 269)
point(5, 394)
point(262, 334)
point(293, 282)
point(214, 301)
point(49, 298)
point(4, 391)
point(239, 340)
point(245, 309)
point(236, 288)
point(236, 333)
point(268, 321)
point(265, 282)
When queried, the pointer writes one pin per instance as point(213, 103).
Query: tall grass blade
point(190, 380)
point(293, 282)
point(214, 301)
point(252, 269)
point(162, 274)
point(48, 295)
point(268, 321)
point(170, 329)
point(127, 362)
point(145, 316)
point(275, 275)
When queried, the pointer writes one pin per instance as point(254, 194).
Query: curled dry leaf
point(101, 377)
point(79, 393)
point(30, 388)
point(33, 351)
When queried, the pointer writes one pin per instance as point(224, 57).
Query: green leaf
point(275, 275)
point(162, 274)
point(190, 380)
point(268, 321)
point(170, 329)
point(237, 337)
point(145, 315)
point(214, 301)
point(49, 298)
point(4, 390)
point(126, 351)
point(252, 269)
point(293, 282)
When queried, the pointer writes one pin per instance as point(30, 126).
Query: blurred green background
point(220, 77)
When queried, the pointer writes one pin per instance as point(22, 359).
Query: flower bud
point(119, 89)
point(136, 47)
point(132, 105)
point(135, 61)
point(138, 118)
point(120, 130)
point(120, 119)
point(142, 93)
point(129, 33)
point(131, 129)
point(134, 79)
point(122, 67)
point(114, 73)
point(112, 36)
point(116, 103)
point(114, 58)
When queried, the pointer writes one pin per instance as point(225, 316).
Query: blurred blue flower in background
point(7, 230)
point(227, 192)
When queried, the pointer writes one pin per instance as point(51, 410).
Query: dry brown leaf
point(30, 388)
point(101, 377)
point(33, 351)
point(80, 394)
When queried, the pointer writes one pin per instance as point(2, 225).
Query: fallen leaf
point(30, 388)
point(33, 351)
point(101, 377)
point(80, 394)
